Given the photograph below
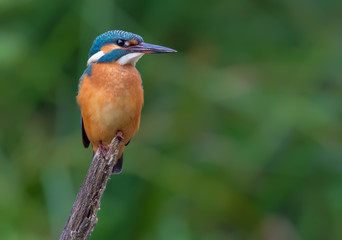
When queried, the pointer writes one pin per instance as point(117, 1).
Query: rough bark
point(82, 219)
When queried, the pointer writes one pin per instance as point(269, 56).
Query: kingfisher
point(110, 92)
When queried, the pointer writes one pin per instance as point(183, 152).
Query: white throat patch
point(95, 57)
point(130, 58)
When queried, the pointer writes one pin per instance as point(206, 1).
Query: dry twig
point(82, 219)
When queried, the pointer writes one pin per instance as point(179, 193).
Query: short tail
point(118, 166)
point(117, 169)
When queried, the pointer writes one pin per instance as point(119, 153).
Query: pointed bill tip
point(151, 48)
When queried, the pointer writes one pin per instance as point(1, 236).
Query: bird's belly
point(104, 116)
point(118, 114)
point(110, 100)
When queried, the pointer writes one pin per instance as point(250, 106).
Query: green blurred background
point(241, 130)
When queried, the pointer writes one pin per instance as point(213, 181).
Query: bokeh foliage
point(241, 130)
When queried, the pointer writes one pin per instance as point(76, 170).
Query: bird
point(110, 94)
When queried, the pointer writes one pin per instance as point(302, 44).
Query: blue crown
point(110, 37)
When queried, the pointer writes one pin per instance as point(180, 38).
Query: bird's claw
point(102, 149)
point(119, 136)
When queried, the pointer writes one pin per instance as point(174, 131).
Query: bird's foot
point(102, 149)
point(119, 136)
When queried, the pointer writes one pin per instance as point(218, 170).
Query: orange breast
point(110, 100)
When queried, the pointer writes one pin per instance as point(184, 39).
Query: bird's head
point(122, 47)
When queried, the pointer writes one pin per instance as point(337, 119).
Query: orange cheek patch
point(133, 42)
point(108, 48)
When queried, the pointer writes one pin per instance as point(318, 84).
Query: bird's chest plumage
point(110, 99)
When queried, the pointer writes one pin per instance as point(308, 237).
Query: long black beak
point(150, 48)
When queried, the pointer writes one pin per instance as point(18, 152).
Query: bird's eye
point(120, 42)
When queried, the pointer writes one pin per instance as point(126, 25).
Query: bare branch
point(82, 219)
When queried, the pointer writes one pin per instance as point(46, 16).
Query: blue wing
point(85, 138)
